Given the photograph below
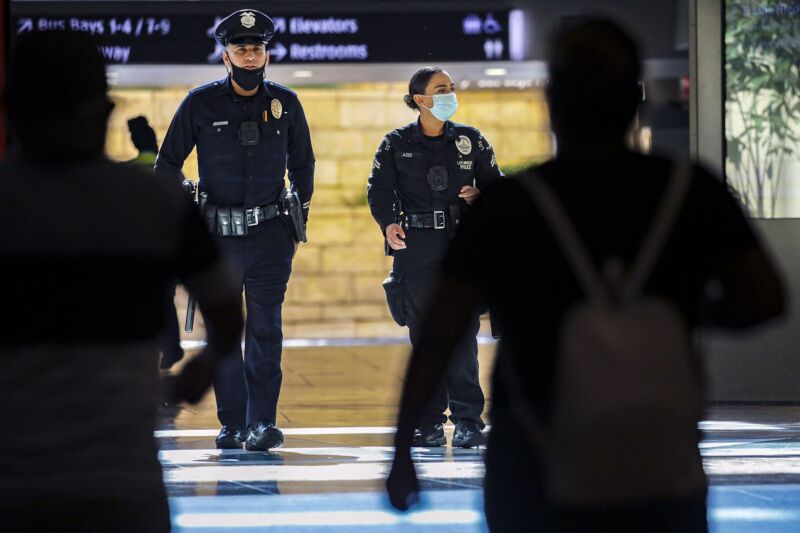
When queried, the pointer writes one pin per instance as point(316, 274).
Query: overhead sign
point(164, 33)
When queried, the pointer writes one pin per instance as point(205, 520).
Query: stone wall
point(335, 289)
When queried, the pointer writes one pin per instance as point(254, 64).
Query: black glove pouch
point(238, 222)
point(224, 221)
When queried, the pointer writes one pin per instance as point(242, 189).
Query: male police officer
point(248, 132)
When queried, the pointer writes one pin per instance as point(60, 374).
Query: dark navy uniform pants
point(461, 390)
point(247, 388)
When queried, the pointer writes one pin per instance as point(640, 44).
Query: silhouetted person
point(610, 196)
point(88, 249)
point(144, 139)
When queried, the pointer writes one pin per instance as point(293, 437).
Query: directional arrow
point(278, 51)
point(24, 25)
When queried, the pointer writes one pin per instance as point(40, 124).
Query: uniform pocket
point(217, 143)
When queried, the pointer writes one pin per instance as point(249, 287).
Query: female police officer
point(423, 177)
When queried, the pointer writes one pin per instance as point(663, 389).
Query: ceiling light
point(495, 71)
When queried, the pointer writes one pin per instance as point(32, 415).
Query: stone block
point(360, 311)
point(486, 326)
point(326, 171)
point(369, 141)
point(320, 330)
point(524, 144)
point(365, 229)
point(398, 114)
point(369, 287)
point(338, 143)
point(307, 260)
point(517, 112)
point(322, 111)
point(363, 111)
point(380, 329)
point(130, 103)
point(301, 312)
point(481, 110)
point(118, 145)
point(326, 227)
point(352, 259)
point(324, 196)
point(165, 107)
point(354, 172)
point(316, 288)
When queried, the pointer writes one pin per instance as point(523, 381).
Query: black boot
point(230, 437)
point(429, 436)
point(468, 434)
point(263, 436)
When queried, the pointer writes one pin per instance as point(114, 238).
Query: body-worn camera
point(437, 178)
point(249, 134)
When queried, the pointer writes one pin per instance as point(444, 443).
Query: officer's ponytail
point(419, 81)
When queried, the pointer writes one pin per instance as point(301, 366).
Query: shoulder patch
point(464, 144)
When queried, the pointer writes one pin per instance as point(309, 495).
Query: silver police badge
point(276, 107)
point(464, 145)
point(248, 19)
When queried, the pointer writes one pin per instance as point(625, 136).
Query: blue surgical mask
point(444, 106)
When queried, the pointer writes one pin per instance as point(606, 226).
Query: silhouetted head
point(142, 135)
point(57, 95)
point(593, 90)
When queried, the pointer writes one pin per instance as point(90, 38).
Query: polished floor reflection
point(337, 410)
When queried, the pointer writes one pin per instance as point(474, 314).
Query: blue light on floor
point(441, 511)
point(329, 519)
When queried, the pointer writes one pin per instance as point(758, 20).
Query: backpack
point(628, 390)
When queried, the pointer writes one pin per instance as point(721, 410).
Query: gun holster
point(293, 212)
point(395, 289)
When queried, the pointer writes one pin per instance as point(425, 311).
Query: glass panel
point(762, 107)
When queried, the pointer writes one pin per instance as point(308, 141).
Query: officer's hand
point(469, 194)
point(395, 236)
point(195, 379)
point(402, 484)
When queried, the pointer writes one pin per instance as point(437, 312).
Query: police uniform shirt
point(234, 175)
point(401, 164)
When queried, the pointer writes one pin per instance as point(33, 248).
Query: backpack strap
point(578, 257)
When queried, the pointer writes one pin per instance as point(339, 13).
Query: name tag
point(220, 123)
point(465, 164)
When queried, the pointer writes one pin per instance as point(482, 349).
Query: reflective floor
point(337, 407)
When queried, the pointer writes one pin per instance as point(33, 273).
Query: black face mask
point(247, 79)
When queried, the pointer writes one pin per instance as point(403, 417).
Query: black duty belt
point(261, 213)
point(434, 220)
point(234, 221)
